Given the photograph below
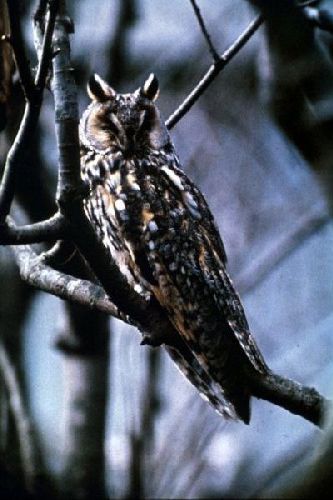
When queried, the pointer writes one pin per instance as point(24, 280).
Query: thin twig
point(30, 454)
point(213, 71)
point(308, 3)
point(204, 31)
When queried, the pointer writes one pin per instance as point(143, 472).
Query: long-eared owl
point(158, 228)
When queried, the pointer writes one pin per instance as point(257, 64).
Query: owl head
point(130, 123)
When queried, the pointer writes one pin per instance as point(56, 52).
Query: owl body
point(158, 227)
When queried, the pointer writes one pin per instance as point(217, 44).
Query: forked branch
point(213, 72)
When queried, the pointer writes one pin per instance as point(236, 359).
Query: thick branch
point(213, 71)
point(36, 273)
point(298, 399)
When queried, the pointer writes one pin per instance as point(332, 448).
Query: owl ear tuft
point(99, 90)
point(150, 88)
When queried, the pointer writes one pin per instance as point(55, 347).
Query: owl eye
point(110, 124)
point(147, 120)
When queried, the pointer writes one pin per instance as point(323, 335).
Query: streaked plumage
point(157, 226)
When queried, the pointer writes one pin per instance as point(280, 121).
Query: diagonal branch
point(36, 273)
point(213, 72)
point(204, 31)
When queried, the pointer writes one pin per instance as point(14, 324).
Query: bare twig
point(212, 72)
point(322, 18)
point(30, 454)
point(204, 31)
point(307, 3)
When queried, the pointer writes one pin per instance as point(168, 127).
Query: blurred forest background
point(108, 418)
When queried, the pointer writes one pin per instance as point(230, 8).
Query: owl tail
point(235, 403)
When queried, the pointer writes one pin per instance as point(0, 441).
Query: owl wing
point(189, 366)
point(185, 256)
point(199, 256)
point(178, 255)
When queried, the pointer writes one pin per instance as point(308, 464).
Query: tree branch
point(213, 72)
point(319, 17)
point(204, 31)
point(51, 229)
point(39, 275)
point(17, 154)
point(294, 397)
